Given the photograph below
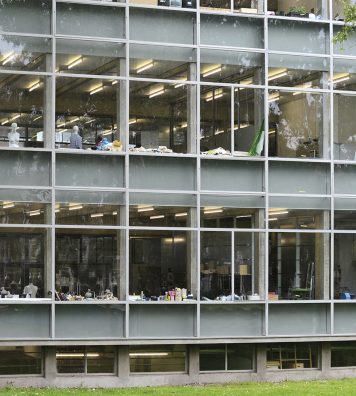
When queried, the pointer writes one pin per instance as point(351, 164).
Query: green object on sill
point(258, 141)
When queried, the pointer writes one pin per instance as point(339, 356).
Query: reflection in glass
point(343, 354)
point(298, 266)
point(298, 126)
point(23, 112)
point(25, 207)
point(153, 61)
point(87, 259)
point(215, 120)
point(292, 356)
point(150, 359)
point(162, 117)
point(90, 57)
point(25, 53)
point(88, 207)
point(312, 9)
point(345, 214)
point(344, 266)
point(92, 105)
point(18, 360)
point(22, 262)
point(161, 261)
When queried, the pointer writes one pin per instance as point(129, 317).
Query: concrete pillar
point(50, 366)
point(325, 358)
point(123, 363)
point(261, 361)
point(193, 363)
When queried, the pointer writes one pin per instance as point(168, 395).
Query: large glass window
point(85, 360)
point(151, 359)
point(312, 9)
point(298, 124)
point(226, 357)
point(88, 264)
point(23, 263)
point(299, 266)
point(227, 257)
point(25, 117)
point(161, 262)
point(20, 360)
point(343, 354)
point(292, 356)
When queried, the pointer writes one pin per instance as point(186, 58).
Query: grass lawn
point(313, 388)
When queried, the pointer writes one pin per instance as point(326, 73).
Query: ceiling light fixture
point(273, 98)
point(275, 76)
point(156, 93)
point(114, 82)
point(148, 209)
point(133, 121)
point(34, 86)
point(90, 121)
point(216, 96)
point(7, 205)
point(11, 56)
point(183, 214)
point(142, 354)
point(96, 90)
point(144, 67)
point(75, 63)
point(93, 215)
point(219, 132)
point(343, 77)
point(212, 71)
point(157, 217)
point(278, 212)
point(75, 207)
point(241, 126)
point(180, 84)
point(108, 132)
point(34, 212)
point(37, 118)
point(61, 125)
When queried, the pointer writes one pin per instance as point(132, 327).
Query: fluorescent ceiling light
point(114, 82)
point(157, 93)
point(184, 125)
point(75, 63)
point(61, 125)
point(90, 121)
point(148, 209)
point(96, 90)
point(243, 217)
point(37, 118)
point(216, 96)
point(7, 205)
point(180, 84)
point(11, 119)
point(144, 67)
point(114, 213)
point(273, 219)
point(212, 71)
point(34, 212)
point(76, 355)
point(76, 207)
point(183, 214)
point(278, 212)
point(213, 211)
point(175, 240)
point(275, 76)
point(219, 132)
point(243, 125)
point(248, 81)
point(74, 119)
point(93, 215)
point(133, 121)
point(11, 56)
point(273, 98)
point(34, 86)
point(341, 78)
point(108, 132)
point(139, 354)
point(157, 217)
point(303, 86)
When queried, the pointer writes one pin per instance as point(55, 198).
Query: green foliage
point(300, 10)
point(350, 22)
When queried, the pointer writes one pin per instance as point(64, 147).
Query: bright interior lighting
point(275, 76)
point(107, 132)
point(37, 118)
point(93, 215)
point(7, 205)
point(144, 67)
point(341, 78)
point(180, 84)
point(212, 71)
point(75, 63)
point(273, 98)
point(61, 125)
point(90, 121)
point(76, 355)
point(74, 119)
point(157, 93)
point(273, 219)
point(303, 86)
point(278, 212)
point(248, 81)
point(213, 211)
point(76, 207)
point(114, 213)
point(34, 86)
point(96, 90)
point(219, 132)
point(243, 125)
point(133, 121)
point(11, 56)
point(181, 214)
point(175, 240)
point(139, 354)
point(157, 217)
point(217, 96)
point(34, 212)
point(147, 209)
point(243, 217)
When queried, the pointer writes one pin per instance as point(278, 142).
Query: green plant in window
point(258, 142)
point(299, 10)
point(350, 22)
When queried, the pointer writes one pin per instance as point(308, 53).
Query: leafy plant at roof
point(350, 23)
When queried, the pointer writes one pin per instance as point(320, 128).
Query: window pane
point(87, 264)
point(161, 261)
point(150, 359)
point(26, 53)
point(240, 357)
point(311, 9)
point(24, 116)
point(89, 208)
point(345, 214)
point(20, 360)
point(292, 356)
point(70, 360)
point(100, 359)
point(343, 354)
point(212, 358)
point(90, 57)
point(345, 271)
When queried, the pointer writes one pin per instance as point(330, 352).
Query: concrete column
point(192, 110)
point(47, 104)
point(193, 363)
point(325, 357)
point(50, 367)
point(123, 363)
point(261, 361)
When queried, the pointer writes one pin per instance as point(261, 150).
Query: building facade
point(174, 206)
